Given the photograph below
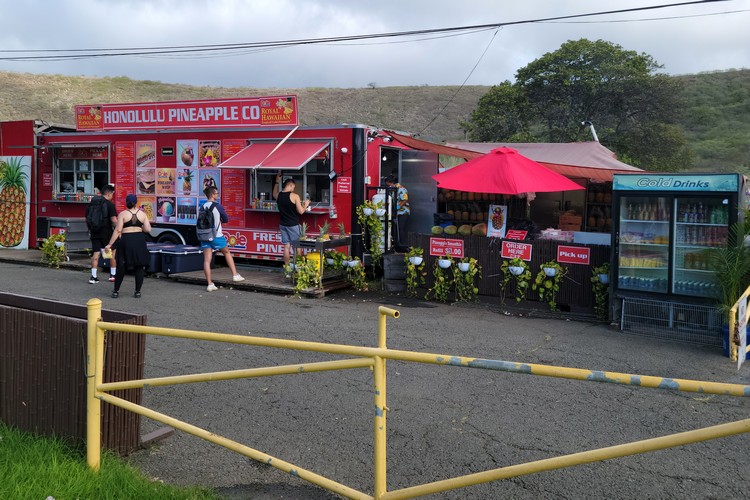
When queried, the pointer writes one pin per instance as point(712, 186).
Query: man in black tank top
point(290, 208)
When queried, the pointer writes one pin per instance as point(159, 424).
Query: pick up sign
point(573, 255)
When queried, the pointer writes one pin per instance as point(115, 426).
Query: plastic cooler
point(181, 259)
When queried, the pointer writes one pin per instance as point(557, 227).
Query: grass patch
point(32, 467)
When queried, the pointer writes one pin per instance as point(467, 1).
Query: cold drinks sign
point(244, 112)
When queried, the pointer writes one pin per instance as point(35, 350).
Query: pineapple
point(303, 231)
point(342, 229)
point(324, 230)
point(12, 202)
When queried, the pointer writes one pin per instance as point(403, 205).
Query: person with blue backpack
point(208, 228)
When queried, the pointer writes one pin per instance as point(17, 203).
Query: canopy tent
point(503, 171)
point(587, 160)
point(276, 155)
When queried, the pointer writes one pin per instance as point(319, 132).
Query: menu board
point(231, 147)
point(124, 172)
point(233, 196)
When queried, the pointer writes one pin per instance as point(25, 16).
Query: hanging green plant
point(515, 270)
point(442, 286)
point(600, 287)
point(547, 282)
point(53, 250)
point(415, 274)
point(334, 259)
point(355, 274)
point(464, 274)
point(372, 226)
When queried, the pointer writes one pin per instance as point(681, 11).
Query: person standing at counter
point(131, 229)
point(101, 211)
point(219, 243)
point(290, 208)
point(402, 210)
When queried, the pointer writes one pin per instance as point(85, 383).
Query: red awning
point(431, 146)
point(288, 156)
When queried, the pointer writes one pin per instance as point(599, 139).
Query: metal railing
point(375, 358)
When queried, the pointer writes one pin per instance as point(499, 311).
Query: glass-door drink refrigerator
point(664, 225)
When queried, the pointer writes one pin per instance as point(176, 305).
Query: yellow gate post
point(381, 486)
point(93, 377)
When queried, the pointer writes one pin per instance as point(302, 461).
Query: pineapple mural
point(13, 189)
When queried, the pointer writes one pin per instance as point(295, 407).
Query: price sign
point(440, 247)
point(573, 255)
point(516, 234)
point(513, 250)
point(344, 185)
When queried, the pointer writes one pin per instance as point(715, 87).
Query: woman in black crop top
point(132, 253)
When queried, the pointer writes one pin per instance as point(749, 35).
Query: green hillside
point(716, 120)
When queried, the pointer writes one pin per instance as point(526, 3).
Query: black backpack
point(96, 216)
point(205, 227)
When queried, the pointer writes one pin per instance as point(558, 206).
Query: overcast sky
point(715, 36)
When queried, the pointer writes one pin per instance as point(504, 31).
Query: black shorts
point(97, 244)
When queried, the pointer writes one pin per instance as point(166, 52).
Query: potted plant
point(442, 285)
point(445, 262)
point(731, 265)
point(464, 275)
point(373, 227)
point(547, 282)
point(600, 287)
point(515, 269)
point(415, 276)
point(53, 250)
point(307, 275)
point(334, 258)
point(355, 274)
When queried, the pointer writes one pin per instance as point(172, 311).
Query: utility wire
point(459, 88)
point(136, 51)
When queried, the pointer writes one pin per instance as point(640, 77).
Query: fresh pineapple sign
point(15, 175)
point(497, 220)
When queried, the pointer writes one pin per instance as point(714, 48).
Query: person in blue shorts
point(219, 243)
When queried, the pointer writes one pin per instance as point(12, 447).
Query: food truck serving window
point(308, 163)
point(81, 169)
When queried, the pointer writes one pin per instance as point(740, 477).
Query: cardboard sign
point(513, 250)
point(440, 247)
point(573, 255)
point(742, 330)
point(516, 234)
point(497, 220)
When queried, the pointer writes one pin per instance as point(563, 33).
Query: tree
point(502, 113)
point(616, 89)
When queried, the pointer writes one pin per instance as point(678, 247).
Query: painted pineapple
point(497, 218)
point(187, 181)
point(12, 202)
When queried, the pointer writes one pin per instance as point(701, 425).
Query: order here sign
point(515, 250)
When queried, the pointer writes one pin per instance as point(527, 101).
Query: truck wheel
point(168, 238)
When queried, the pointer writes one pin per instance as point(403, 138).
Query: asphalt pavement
point(442, 421)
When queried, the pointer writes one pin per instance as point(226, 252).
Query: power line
point(72, 54)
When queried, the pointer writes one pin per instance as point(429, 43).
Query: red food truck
point(168, 152)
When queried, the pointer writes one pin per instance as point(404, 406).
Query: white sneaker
point(211, 288)
point(237, 277)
